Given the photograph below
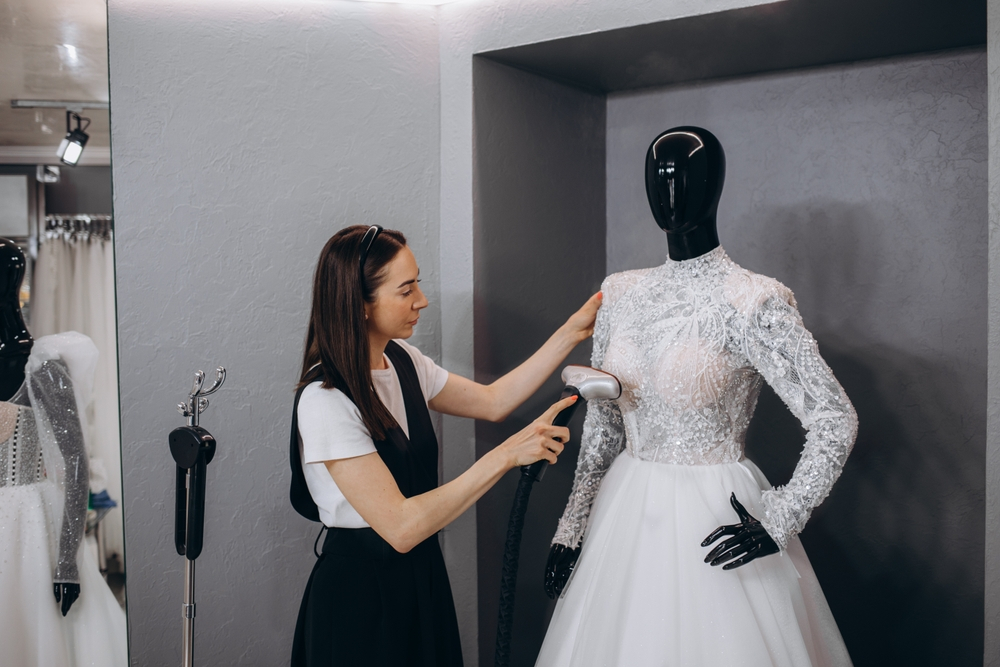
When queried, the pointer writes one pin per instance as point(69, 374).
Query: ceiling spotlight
point(72, 145)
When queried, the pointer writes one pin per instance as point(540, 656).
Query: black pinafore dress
point(366, 604)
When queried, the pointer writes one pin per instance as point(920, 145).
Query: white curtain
point(74, 290)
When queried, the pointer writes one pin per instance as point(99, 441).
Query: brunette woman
point(364, 457)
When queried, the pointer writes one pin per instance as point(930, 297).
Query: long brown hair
point(337, 339)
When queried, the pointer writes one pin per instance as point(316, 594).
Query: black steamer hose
point(512, 547)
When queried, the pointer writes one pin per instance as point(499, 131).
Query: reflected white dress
point(691, 342)
point(43, 503)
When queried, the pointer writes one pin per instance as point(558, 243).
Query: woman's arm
point(404, 522)
point(494, 402)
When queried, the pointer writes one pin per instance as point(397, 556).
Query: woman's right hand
point(539, 439)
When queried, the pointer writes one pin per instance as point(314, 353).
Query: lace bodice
point(691, 342)
point(20, 453)
point(43, 443)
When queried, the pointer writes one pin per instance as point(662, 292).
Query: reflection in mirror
point(62, 577)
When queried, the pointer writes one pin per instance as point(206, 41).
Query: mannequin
point(15, 346)
point(692, 341)
point(685, 172)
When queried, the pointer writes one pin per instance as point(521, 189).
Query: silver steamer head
point(592, 383)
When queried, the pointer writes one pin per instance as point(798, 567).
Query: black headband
point(366, 245)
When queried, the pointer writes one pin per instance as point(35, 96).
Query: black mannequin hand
point(560, 565)
point(749, 540)
point(67, 594)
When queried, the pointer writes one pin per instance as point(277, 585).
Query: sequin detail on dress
point(20, 455)
point(48, 417)
point(691, 342)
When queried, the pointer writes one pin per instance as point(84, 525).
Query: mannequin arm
point(603, 436)
point(52, 381)
point(494, 402)
point(786, 355)
point(602, 441)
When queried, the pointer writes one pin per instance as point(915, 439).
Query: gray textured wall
point(539, 254)
point(864, 189)
point(244, 135)
point(992, 573)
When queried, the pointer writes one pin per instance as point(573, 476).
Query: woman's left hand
point(580, 325)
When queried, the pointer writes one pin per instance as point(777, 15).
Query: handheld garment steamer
point(587, 383)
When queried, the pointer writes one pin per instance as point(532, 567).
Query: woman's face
point(398, 301)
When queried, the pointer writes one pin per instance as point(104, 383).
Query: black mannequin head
point(15, 341)
point(685, 172)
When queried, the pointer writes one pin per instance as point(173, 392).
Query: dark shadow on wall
point(539, 253)
point(898, 545)
point(548, 498)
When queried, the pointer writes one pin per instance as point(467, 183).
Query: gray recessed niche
point(560, 130)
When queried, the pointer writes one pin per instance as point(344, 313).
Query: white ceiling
point(52, 50)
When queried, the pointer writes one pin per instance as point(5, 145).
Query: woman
point(379, 593)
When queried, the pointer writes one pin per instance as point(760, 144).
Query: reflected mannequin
point(15, 341)
point(15, 347)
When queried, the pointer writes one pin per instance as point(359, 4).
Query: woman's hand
point(580, 325)
point(494, 402)
point(539, 439)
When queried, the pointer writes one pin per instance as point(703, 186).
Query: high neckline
point(697, 265)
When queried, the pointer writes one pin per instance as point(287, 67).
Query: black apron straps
point(422, 443)
point(301, 499)
point(412, 461)
point(367, 605)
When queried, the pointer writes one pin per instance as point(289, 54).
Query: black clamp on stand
point(193, 449)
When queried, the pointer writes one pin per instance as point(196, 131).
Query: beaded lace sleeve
point(787, 357)
point(602, 440)
point(55, 402)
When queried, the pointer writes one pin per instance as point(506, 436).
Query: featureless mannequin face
point(398, 302)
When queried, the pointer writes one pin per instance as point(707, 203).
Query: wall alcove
point(856, 135)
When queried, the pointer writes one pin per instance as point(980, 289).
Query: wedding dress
point(691, 342)
point(44, 487)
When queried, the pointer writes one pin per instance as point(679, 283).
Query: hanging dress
point(44, 487)
point(367, 605)
point(691, 342)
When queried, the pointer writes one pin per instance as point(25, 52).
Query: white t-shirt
point(330, 428)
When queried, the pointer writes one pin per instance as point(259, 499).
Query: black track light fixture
point(72, 145)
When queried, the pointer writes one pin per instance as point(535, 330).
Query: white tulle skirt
point(642, 595)
point(33, 632)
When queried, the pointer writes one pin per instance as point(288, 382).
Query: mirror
point(61, 532)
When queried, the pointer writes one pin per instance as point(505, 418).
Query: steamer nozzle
point(591, 383)
point(587, 383)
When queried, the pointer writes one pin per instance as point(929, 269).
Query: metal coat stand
point(193, 449)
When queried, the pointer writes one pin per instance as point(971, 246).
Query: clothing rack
point(79, 227)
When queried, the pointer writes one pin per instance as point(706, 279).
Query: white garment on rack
point(692, 342)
